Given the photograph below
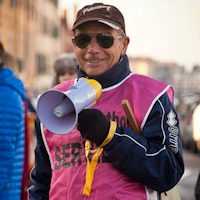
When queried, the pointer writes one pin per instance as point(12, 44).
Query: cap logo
point(96, 8)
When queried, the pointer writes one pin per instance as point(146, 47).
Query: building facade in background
point(35, 34)
point(183, 82)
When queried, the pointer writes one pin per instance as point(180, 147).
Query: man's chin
point(94, 74)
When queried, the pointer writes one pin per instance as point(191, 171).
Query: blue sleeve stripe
point(162, 121)
point(151, 106)
point(163, 131)
point(125, 135)
point(154, 154)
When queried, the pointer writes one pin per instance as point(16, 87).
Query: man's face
point(94, 59)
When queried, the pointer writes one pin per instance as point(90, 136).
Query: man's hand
point(93, 125)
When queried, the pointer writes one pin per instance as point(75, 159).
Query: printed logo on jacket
point(69, 155)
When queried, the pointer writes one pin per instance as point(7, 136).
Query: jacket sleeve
point(11, 139)
point(155, 157)
point(41, 173)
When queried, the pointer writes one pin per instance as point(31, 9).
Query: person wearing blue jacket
point(12, 130)
point(151, 160)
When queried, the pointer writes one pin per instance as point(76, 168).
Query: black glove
point(93, 125)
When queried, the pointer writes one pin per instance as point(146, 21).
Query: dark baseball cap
point(106, 14)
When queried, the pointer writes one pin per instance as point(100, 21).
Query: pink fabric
point(68, 154)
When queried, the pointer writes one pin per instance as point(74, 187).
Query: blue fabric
point(145, 158)
point(12, 127)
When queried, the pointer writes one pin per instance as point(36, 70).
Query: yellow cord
point(91, 166)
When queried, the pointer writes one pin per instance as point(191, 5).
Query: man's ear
point(126, 41)
point(73, 42)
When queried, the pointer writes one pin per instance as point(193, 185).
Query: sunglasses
point(104, 40)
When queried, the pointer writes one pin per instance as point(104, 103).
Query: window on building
point(20, 64)
point(45, 25)
point(55, 2)
point(13, 3)
point(55, 32)
point(10, 45)
point(41, 63)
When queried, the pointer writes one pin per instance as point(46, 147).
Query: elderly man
point(119, 163)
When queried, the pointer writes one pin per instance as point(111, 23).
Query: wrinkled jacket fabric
point(130, 162)
point(12, 96)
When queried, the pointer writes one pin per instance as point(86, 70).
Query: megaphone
point(58, 111)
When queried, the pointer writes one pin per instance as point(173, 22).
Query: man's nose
point(93, 47)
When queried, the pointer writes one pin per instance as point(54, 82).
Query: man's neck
point(114, 75)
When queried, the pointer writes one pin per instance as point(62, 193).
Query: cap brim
point(109, 23)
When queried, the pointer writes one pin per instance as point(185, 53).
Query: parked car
point(188, 110)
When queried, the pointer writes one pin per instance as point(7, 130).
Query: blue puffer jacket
point(12, 127)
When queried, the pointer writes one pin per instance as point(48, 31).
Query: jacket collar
point(112, 76)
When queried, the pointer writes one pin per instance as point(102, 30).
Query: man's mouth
point(93, 61)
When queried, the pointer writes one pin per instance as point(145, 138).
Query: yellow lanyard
point(91, 166)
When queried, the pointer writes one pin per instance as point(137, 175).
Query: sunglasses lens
point(105, 40)
point(82, 40)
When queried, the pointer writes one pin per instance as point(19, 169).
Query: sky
point(164, 30)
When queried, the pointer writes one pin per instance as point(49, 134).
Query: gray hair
point(66, 62)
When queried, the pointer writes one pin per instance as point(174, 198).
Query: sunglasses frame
point(96, 36)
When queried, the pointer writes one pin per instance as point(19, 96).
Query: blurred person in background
point(65, 68)
point(30, 114)
point(10, 62)
point(12, 132)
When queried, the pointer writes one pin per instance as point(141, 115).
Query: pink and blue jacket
point(130, 163)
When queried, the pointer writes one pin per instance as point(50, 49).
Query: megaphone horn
point(58, 111)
